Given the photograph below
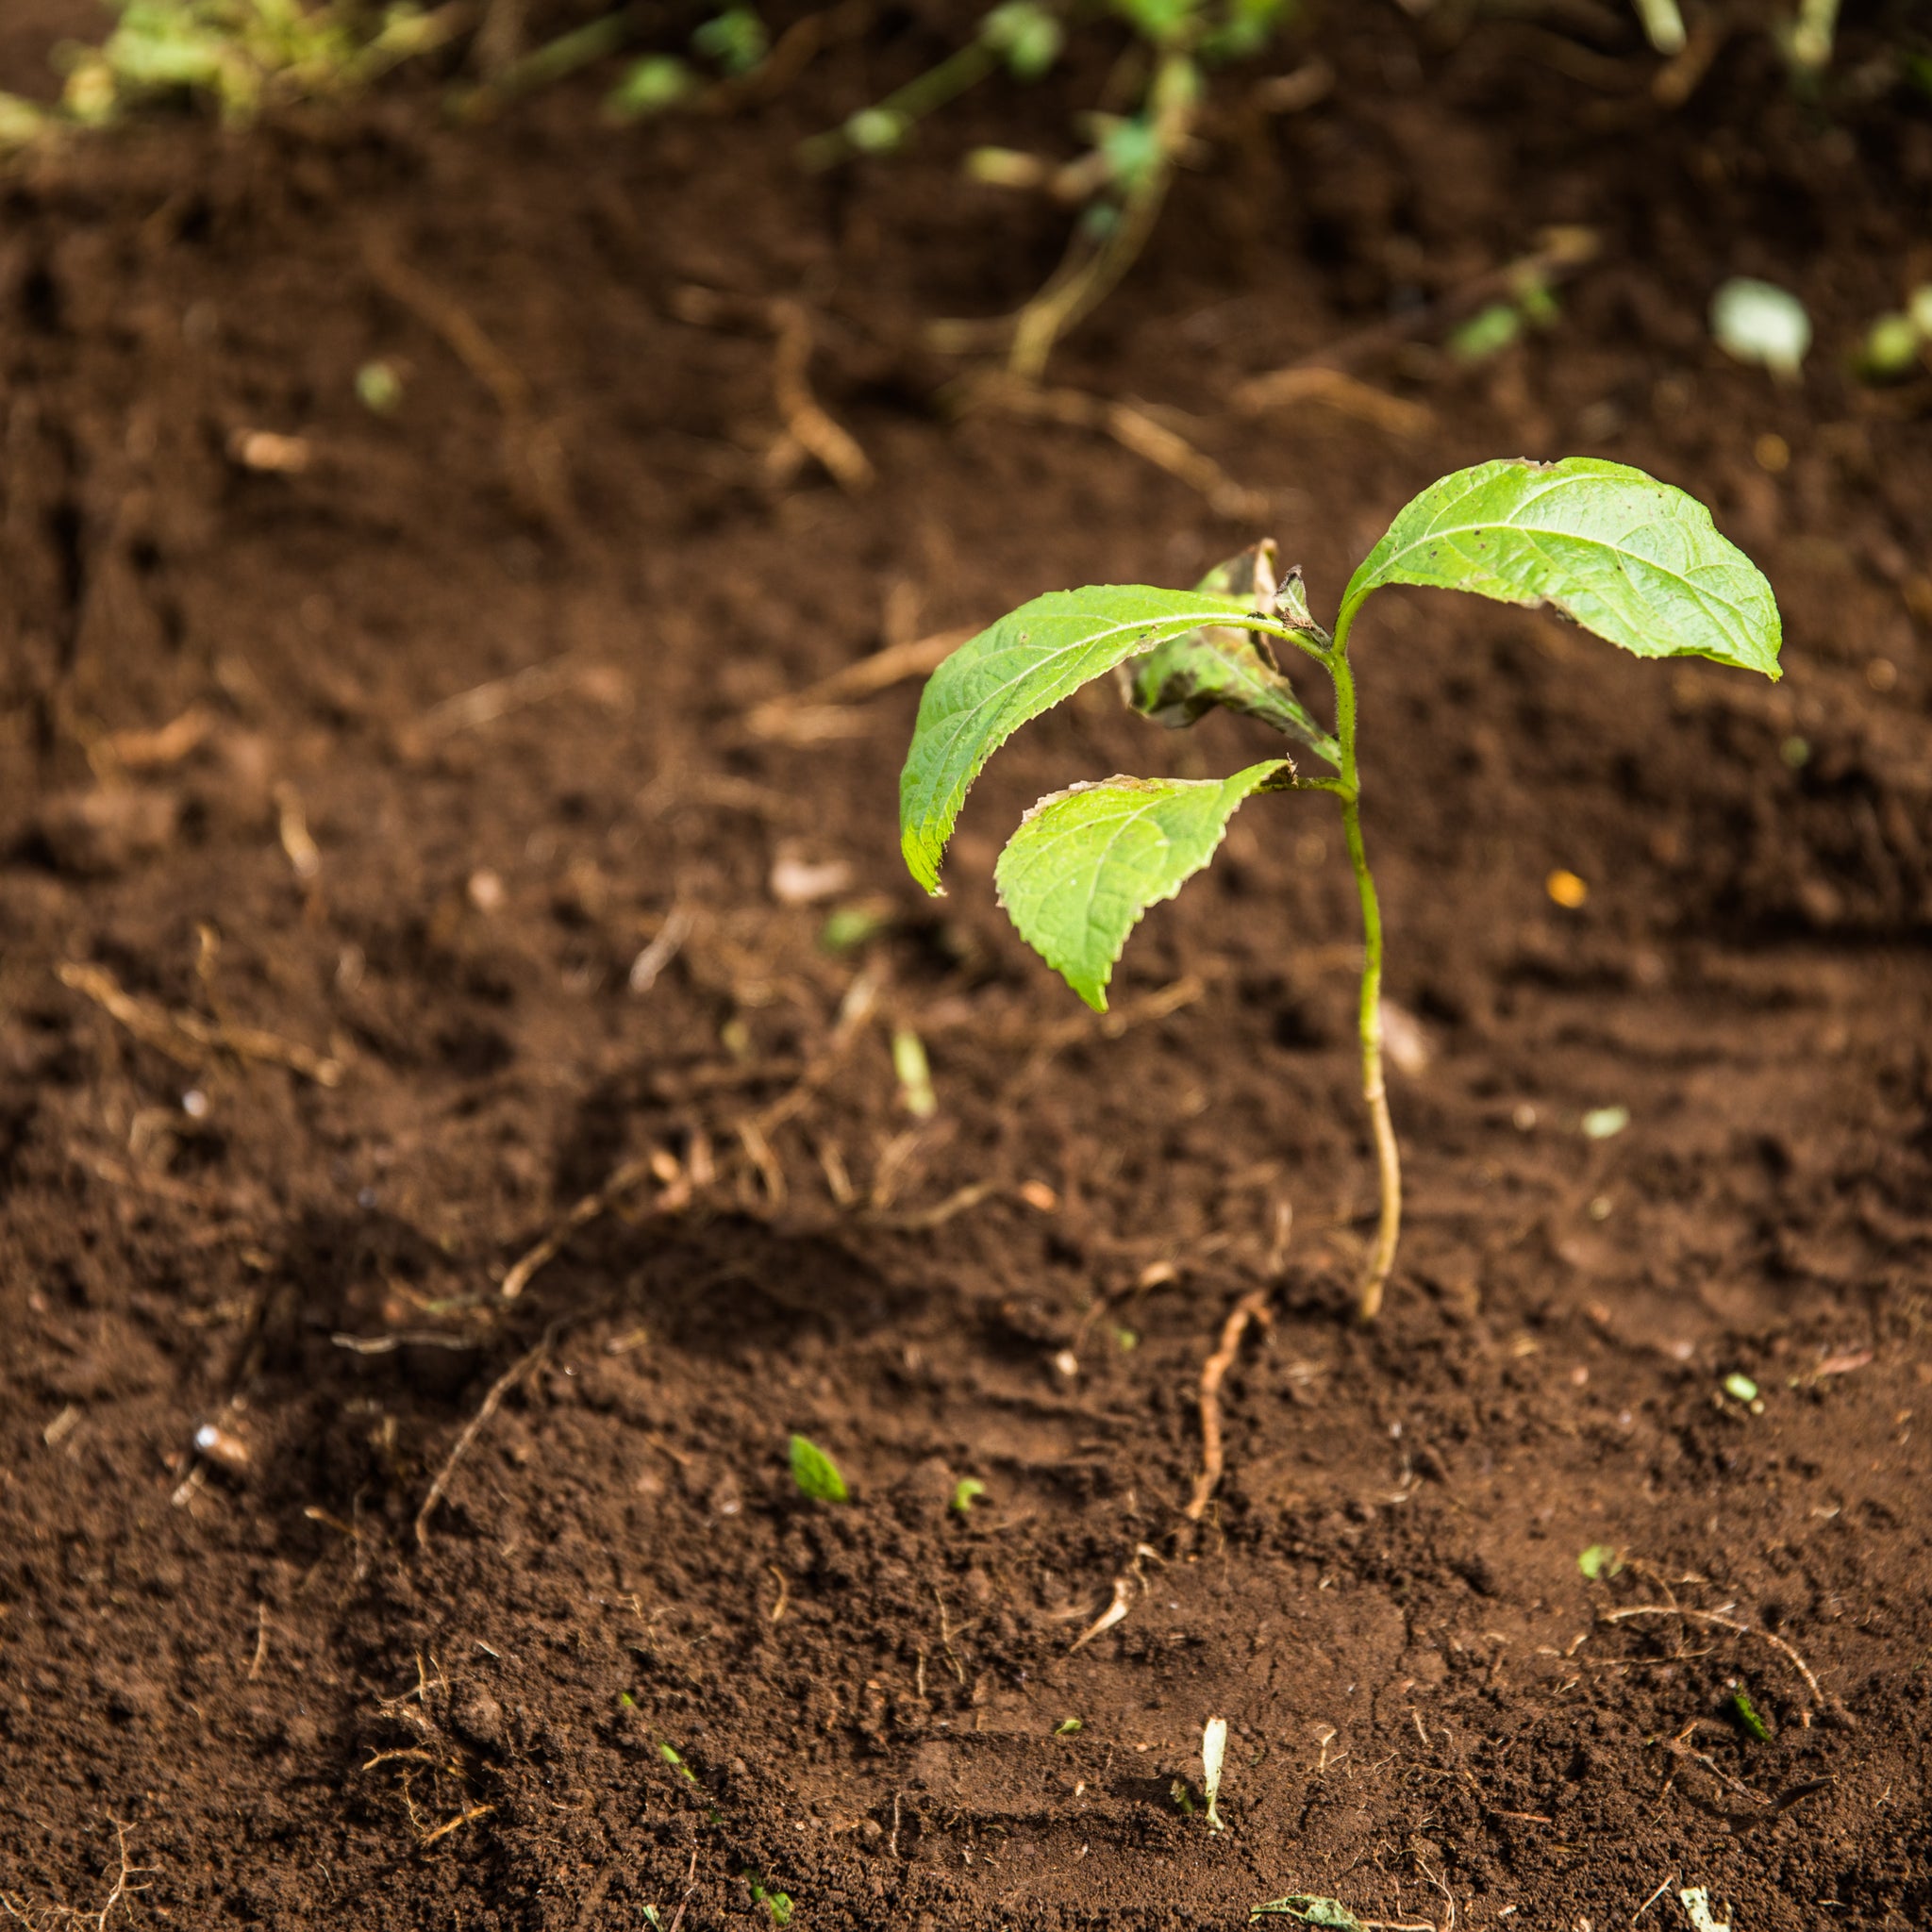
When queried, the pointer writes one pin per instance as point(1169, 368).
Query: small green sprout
point(1182, 1796)
point(914, 1074)
point(380, 388)
point(669, 1753)
point(777, 1902)
point(1746, 1713)
point(1623, 554)
point(626, 1701)
point(815, 1473)
point(966, 1491)
point(648, 87)
point(849, 928)
point(735, 40)
point(1067, 1727)
point(1310, 1910)
point(1487, 333)
point(1214, 1754)
point(1600, 1561)
point(1741, 1389)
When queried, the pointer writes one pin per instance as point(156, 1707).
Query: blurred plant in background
point(240, 54)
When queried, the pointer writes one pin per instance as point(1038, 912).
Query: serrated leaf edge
point(1123, 780)
point(1360, 586)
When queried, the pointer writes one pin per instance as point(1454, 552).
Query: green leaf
point(1182, 679)
point(966, 1491)
point(1600, 1559)
point(1746, 1714)
point(1624, 556)
point(1086, 863)
point(815, 1473)
point(1310, 1910)
point(1026, 663)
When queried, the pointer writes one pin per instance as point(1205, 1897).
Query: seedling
point(1621, 554)
point(1746, 1714)
point(1213, 1754)
point(777, 1902)
point(966, 1491)
point(1601, 1560)
point(815, 1473)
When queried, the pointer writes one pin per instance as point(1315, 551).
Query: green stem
point(1375, 1090)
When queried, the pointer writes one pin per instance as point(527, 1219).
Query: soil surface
point(406, 825)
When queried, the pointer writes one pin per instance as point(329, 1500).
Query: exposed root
point(1251, 1307)
point(1133, 429)
point(1711, 1620)
point(484, 703)
point(136, 750)
point(809, 430)
point(1114, 1612)
point(492, 1402)
point(1346, 394)
point(631, 1174)
point(805, 423)
point(45, 1918)
point(187, 1038)
point(461, 1819)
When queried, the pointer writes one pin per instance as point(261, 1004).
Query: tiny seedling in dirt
point(1746, 1713)
point(1067, 1727)
point(777, 1902)
point(1214, 1754)
point(815, 1473)
point(1623, 554)
point(966, 1491)
point(1600, 1561)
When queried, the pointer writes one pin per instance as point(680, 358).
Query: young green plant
point(1623, 554)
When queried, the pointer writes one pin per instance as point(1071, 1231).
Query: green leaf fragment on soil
point(1088, 862)
point(1310, 1910)
point(1024, 664)
point(815, 1473)
point(1740, 1388)
point(1600, 1559)
point(966, 1491)
point(1624, 556)
point(1746, 1713)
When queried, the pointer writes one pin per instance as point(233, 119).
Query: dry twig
point(1132, 429)
point(808, 430)
point(187, 1038)
point(1712, 1619)
point(1251, 1307)
point(824, 710)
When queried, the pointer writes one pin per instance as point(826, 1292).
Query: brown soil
point(296, 1715)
